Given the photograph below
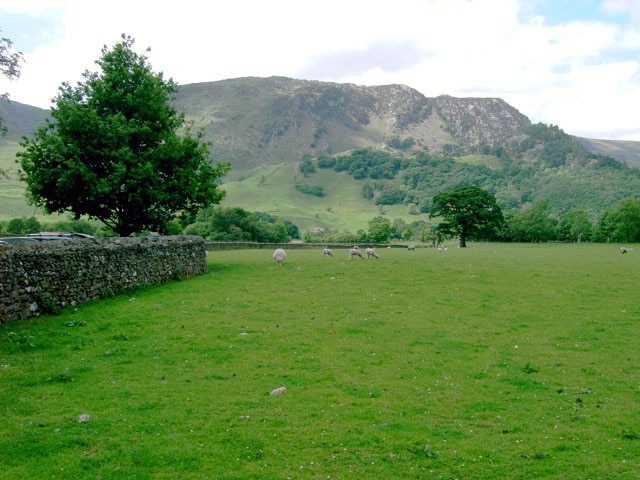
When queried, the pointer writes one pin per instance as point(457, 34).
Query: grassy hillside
point(622, 150)
point(269, 189)
point(12, 200)
point(272, 190)
point(13, 203)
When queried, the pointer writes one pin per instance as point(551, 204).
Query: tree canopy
point(467, 212)
point(238, 225)
point(534, 224)
point(117, 151)
point(10, 68)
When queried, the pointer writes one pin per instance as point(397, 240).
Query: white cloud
point(580, 74)
point(628, 7)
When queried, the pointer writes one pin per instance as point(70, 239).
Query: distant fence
point(45, 276)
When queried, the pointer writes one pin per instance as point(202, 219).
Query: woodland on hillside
point(543, 167)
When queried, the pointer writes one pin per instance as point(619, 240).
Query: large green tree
point(467, 212)
point(626, 217)
point(117, 151)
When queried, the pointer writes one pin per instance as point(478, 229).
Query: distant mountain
point(20, 119)
point(264, 121)
point(260, 125)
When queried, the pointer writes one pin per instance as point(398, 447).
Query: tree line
point(534, 224)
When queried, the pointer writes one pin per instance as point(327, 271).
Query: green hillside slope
point(272, 190)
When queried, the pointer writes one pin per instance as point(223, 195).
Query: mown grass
point(492, 362)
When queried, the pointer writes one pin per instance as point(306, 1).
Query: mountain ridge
point(374, 115)
point(257, 121)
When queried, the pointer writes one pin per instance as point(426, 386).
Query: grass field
point(490, 362)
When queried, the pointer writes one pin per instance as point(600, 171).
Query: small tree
point(468, 212)
point(113, 152)
point(306, 166)
point(16, 226)
point(10, 68)
point(379, 229)
point(626, 217)
point(604, 227)
point(32, 225)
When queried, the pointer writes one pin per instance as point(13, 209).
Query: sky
point(570, 63)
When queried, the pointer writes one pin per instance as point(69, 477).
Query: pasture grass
point(494, 361)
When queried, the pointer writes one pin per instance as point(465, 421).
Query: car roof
point(17, 239)
point(60, 235)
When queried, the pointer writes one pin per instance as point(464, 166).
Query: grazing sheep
point(327, 252)
point(371, 253)
point(411, 247)
point(279, 255)
point(623, 249)
point(355, 252)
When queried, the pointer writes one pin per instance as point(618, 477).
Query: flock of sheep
point(280, 255)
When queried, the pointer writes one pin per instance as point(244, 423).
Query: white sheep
point(371, 253)
point(623, 249)
point(327, 252)
point(355, 252)
point(411, 247)
point(279, 255)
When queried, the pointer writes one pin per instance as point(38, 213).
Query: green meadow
point(491, 362)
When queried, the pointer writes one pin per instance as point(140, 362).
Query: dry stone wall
point(46, 276)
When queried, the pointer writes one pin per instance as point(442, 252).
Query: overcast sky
point(571, 63)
